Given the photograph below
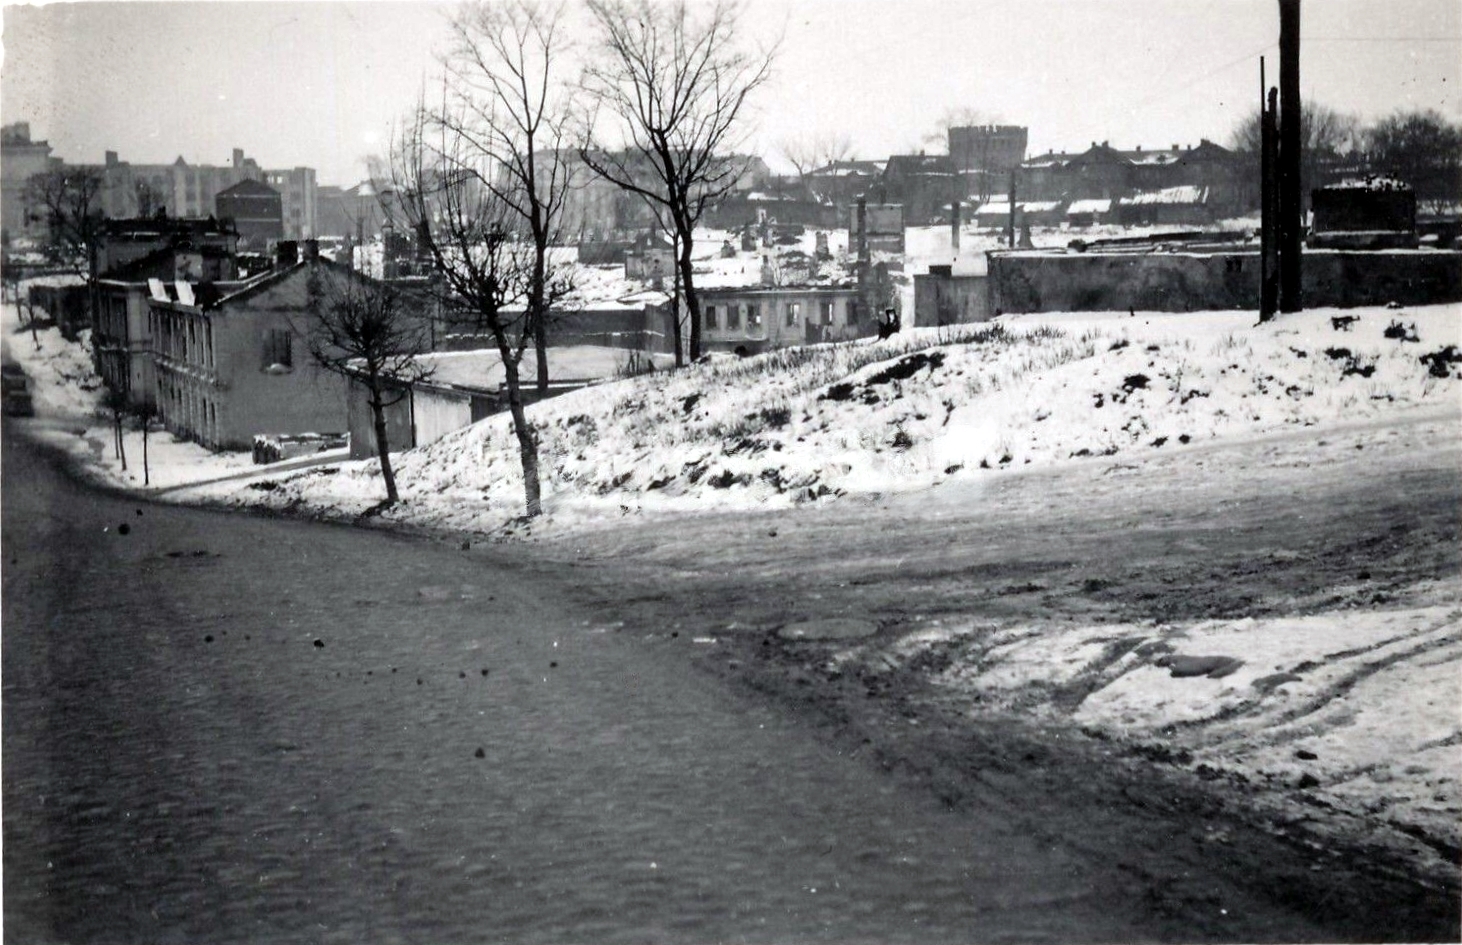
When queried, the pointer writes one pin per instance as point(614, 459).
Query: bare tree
point(441, 180)
point(370, 333)
point(144, 413)
point(1325, 136)
point(506, 100)
point(960, 117)
point(116, 404)
point(69, 201)
point(673, 81)
point(1421, 148)
point(809, 152)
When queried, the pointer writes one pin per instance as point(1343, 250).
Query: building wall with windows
point(20, 160)
point(256, 211)
point(755, 319)
point(299, 197)
point(121, 341)
point(241, 366)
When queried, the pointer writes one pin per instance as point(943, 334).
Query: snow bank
point(1356, 709)
point(930, 405)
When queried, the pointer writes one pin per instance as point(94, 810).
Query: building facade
point(20, 160)
point(191, 190)
point(753, 319)
point(238, 365)
point(299, 198)
point(256, 211)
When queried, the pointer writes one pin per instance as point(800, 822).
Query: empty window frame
point(278, 348)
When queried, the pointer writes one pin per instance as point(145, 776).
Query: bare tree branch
point(374, 334)
point(505, 100)
point(441, 183)
point(672, 83)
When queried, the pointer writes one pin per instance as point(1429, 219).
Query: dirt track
point(1295, 524)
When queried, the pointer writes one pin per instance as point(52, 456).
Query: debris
point(1214, 667)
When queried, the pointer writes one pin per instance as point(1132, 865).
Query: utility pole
point(1268, 191)
point(1010, 223)
point(1291, 200)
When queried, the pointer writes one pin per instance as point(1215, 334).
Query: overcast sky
point(319, 83)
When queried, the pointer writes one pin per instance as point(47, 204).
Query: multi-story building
point(299, 196)
point(752, 319)
point(20, 160)
point(191, 190)
point(925, 184)
point(1105, 173)
point(255, 210)
point(983, 155)
point(133, 254)
point(235, 362)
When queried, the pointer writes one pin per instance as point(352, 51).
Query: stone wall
point(1185, 282)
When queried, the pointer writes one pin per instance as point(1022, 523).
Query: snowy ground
point(926, 407)
point(1359, 703)
point(67, 395)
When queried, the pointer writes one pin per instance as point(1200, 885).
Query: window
point(827, 313)
point(794, 312)
point(710, 317)
point(753, 314)
point(277, 348)
point(733, 316)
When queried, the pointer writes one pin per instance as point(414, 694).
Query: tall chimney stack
point(862, 237)
point(954, 227)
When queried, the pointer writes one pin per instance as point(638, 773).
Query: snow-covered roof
point(1369, 183)
point(1039, 206)
point(1186, 193)
point(993, 207)
point(1089, 206)
point(483, 369)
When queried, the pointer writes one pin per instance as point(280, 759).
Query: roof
point(1185, 194)
point(1089, 206)
point(919, 164)
point(482, 369)
point(759, 289)
point(1370, 183)
point(248, 187)
point(848, 169)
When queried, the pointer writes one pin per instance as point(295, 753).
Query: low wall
point(1186, 282)
point(950, 300)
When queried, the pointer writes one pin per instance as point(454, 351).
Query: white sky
point(319, 83)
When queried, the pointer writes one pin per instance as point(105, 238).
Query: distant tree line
point(1421, 148)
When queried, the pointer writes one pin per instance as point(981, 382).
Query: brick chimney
point(954, 226)
point(286, 254)
point(310, 250)
point(862, 230)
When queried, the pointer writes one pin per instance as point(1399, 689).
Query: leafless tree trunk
point(69, 200)
point(809, 152)
point(673, 82)
point(373, 335)
point(441, 178)
point(144, 413)
point(505, 97)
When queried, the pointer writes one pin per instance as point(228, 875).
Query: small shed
point(1090, 212)
point(1369, 213)
point(1184, 204)
point(463, 387)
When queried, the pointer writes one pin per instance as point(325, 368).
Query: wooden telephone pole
point(1291, 199)
point(1268, 199)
